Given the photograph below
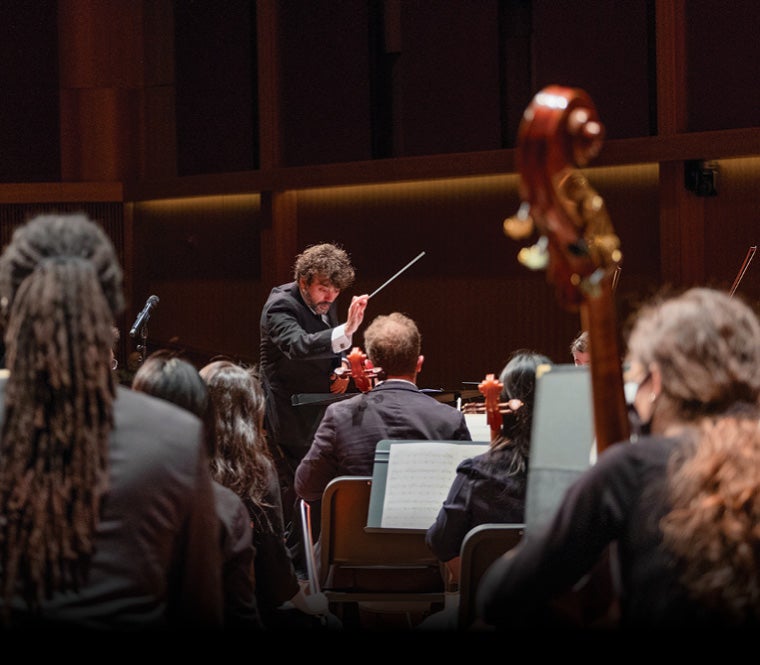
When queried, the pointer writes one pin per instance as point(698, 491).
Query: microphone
point(144, 315)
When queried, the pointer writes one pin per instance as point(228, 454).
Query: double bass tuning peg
point(535, 257)
point(520, 225)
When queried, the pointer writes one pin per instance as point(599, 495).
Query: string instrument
point(560, 131)
point(362, 370)
point(490, 388)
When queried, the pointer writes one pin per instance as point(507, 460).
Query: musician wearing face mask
point(682, 503)
point(640, 400)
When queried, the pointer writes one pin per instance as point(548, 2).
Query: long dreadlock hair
point(60, 292)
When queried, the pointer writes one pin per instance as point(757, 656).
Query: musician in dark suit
point(301, 347)
point(107, 508)
point(395, 408)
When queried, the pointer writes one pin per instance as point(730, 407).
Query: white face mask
point(630, 388)
point(638, 426)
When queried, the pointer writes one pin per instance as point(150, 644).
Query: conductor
point(301, 346)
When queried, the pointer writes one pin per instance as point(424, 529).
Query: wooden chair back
point(481, 546)
point(359, 565)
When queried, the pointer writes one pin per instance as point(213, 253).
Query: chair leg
point(348, 613)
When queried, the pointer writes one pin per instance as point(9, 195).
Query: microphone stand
point(141, 326)
point(143, 345)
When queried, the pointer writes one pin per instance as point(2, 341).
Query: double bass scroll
point(559, 132)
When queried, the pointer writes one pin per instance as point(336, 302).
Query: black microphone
point(143, 316)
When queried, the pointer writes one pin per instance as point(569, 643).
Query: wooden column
point(682, 214)
point(279, 234)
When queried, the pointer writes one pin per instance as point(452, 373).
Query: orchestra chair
point(482, 545)
point(355, 566)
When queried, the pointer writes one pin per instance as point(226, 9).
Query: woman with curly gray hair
point(682, 502)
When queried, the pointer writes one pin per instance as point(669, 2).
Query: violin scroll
point(362, 370)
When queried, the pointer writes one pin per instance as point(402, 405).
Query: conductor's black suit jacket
point(296, 356)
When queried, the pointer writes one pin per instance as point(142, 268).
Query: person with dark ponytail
point(491, 487)
point(106, 508)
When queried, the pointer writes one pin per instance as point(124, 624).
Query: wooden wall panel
point(215, 52)
point(732, 226)
point(99, 133)
point(201, 257)
point(29, 124)
point(324, 81)
point(449, 89)
point(112, 59)
point(723, 66)
point(604, 48)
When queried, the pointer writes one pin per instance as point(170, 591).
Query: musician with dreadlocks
point(106, 508)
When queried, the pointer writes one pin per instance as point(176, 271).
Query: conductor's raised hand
point(356, 313)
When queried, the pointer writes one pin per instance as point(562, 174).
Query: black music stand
point(318, 399)
point(561, 440)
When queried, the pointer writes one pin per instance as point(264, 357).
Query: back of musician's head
point(393, 343)
point(165, 375)
point(325, 261)
point(242, 461)
point(60, 292)
point(518, 378)
point(580, 343)
point(706, 345)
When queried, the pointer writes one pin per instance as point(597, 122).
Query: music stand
point(561, 439)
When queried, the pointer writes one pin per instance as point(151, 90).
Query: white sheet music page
point(418, 481)
point(478, 425)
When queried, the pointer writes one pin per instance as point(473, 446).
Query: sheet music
point(478, 425)
point(418, 481)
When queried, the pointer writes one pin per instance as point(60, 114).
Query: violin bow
point(747, 260)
